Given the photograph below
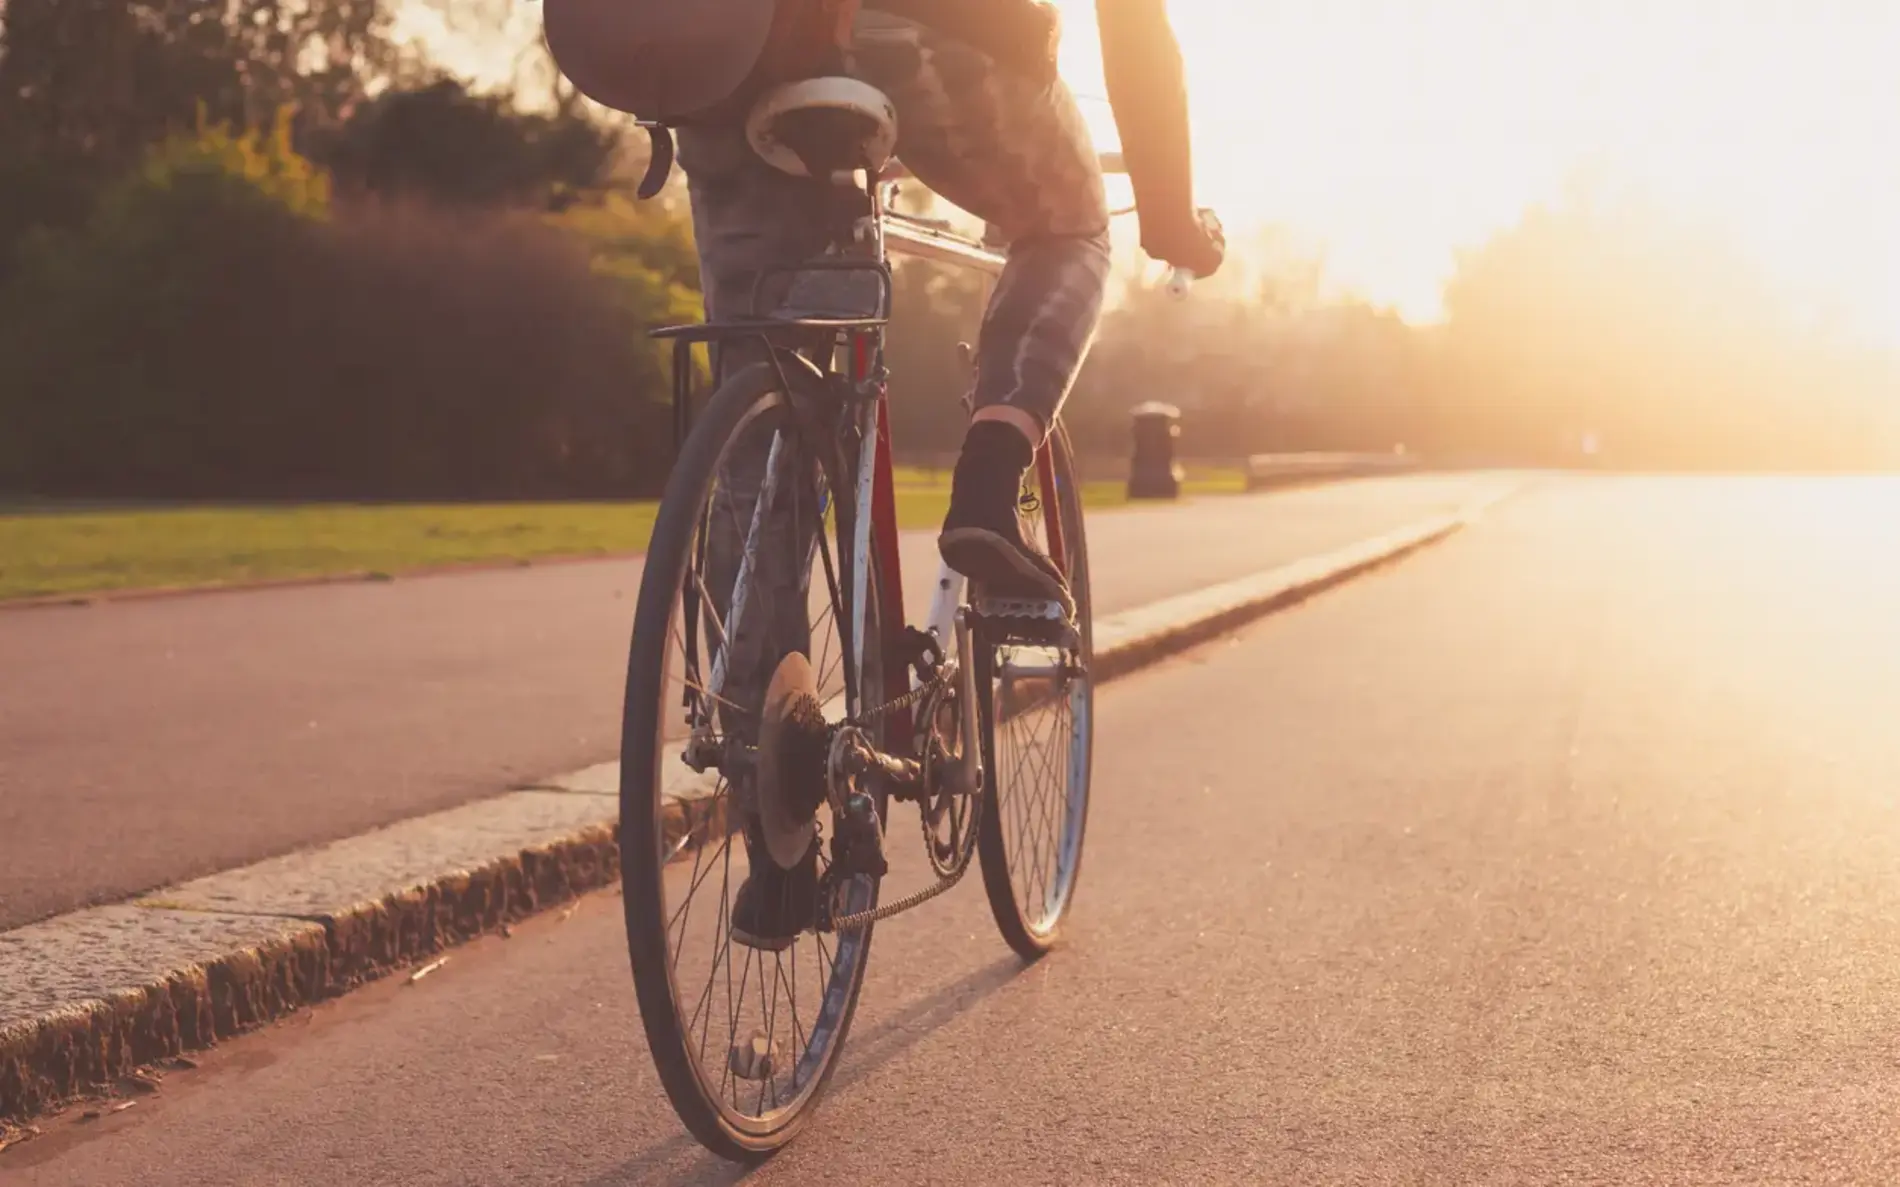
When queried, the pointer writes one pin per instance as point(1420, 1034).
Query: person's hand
point(1196, 244)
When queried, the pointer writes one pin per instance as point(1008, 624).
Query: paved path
point(146, 742)
point(1567, 851)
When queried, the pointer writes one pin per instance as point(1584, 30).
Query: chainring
point(947, 810)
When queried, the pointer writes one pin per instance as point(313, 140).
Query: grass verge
point(55, 550)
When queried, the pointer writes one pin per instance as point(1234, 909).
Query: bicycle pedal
point(1028, 620)
point(1038, 608)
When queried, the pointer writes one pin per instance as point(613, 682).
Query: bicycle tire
point(1033, 933)
point(645, 865)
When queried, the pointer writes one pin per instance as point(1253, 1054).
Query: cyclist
point(984, 121)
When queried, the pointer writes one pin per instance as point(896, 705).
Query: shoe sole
point(999, 567)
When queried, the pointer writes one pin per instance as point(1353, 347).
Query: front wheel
point(750, 560)
point(1035, 712)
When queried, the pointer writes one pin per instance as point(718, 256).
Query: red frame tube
point(890, 583)
point(1051, 507)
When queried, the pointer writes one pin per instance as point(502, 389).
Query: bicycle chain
point(965, 858)
point(878, 712)
point(939, 682)
point(878, 914)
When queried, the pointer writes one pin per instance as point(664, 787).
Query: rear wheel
point(750, 559)
point(1035, 708)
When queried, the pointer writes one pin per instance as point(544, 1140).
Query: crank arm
point(966, 702)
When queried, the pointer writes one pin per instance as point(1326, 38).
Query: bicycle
point(780, 513)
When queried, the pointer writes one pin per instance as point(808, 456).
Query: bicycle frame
point(875, 535)
point(911, 237)
point(923, 239)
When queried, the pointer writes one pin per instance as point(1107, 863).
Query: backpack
point(1022, 36)
point(678, 61)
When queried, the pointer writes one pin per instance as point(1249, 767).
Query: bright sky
point(1395, 131)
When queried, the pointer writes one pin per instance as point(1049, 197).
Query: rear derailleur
point(805, 762)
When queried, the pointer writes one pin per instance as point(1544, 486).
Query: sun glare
point(1394, 132)
point(1397, 131)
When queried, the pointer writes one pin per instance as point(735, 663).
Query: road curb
point(109, 990)
point(270, 966)
point(1155, 632)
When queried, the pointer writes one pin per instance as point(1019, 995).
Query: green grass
point(73, 550)
point(922, 498)
point(59, 552)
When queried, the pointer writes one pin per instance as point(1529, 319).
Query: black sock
point(988, 477)
point(996, 443)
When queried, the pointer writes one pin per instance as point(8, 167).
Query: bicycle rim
point(1038, 741)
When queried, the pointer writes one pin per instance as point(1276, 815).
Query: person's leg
point(747, 218)
point(1018, 154)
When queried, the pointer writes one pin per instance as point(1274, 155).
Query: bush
point(442, 143)
point(479, 353)
point(109, 331)
point(219, 328)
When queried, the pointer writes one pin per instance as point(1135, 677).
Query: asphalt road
point(148, 742)
point(1567, 851)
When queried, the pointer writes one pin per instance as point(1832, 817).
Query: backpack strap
point(809, 39)
point(659, 160)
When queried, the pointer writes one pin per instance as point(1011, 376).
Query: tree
point(87, 86)
point(105, 79)
point(440, 142)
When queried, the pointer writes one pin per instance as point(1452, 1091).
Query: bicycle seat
point(824, 127)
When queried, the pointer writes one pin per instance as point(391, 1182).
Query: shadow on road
point(682, 1162)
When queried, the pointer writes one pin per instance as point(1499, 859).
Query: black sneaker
point(773, 906)
point(982, 535)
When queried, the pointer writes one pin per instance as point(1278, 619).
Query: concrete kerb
point(94, 995)
point(1133, 640)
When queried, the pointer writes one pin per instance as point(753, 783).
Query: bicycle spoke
point(720, 951)
point(699, 877)
point(798, 1032)
point(1038, 737)
point(712, 607)
point(1041, 839)
point(692, 684)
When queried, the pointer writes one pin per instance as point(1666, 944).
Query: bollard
point(1152, 471)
